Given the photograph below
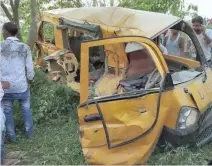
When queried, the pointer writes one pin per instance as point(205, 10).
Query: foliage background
point(49, 100)
point(54, 105)
point(176, 7)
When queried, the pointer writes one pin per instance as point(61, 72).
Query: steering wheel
point(153, 79)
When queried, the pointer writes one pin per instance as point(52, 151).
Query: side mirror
point(168, 82)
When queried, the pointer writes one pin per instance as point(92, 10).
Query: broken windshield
point(184, 76)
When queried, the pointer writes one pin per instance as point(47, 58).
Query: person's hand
point(5, 84)
point(203, 30)
point(29, 83)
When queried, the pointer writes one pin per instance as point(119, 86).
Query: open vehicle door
point(122, 128)
point(46, 42)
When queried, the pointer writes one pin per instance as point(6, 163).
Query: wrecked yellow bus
point(132, 95)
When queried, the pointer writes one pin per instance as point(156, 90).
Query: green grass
point(56, 142)
point(182, 156)
point(56, 134)
point(49, 100)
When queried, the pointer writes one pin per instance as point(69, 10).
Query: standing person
point(163, 36)
point(174, 43)
point(16, 68)
point(204, 36)
point(2, 123)
point(2, 117)
point(2, 120)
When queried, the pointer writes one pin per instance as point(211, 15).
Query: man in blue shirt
point(17, 69)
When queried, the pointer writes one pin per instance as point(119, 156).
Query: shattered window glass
point(48, 32)
point(110, 78)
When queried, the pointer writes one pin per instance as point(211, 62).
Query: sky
point(204, 7)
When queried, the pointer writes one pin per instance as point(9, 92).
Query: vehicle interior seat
point(140, 64)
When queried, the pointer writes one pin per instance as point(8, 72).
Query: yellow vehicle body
point(118, 127)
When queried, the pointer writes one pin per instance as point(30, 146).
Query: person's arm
point(182, 46)
point(1, 92)
point(3, 84)
point(29, 66)
point(187, 46)
point(207, 36)
point(163, 49)
point(164, 42)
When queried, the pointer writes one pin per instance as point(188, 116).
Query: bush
point(49, 100)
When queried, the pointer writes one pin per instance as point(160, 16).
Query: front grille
point(205, 137)
point(204, 114)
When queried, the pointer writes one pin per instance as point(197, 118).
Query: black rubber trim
point(89, 27)
point(192, 97)
point(86, 41)
point(140, 136)
point(92, 118)
point(180, 137)
point(120, 97)
point(129, 95)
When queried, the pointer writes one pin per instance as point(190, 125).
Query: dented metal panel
point(119, 18)
point(124, 125)
point(125, 120)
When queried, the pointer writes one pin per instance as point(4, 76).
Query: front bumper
point(200, 134)
point(180, 137)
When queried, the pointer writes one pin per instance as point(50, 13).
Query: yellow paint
point(158, 58)
point(110, 88)
point(188, 62)
point(124, 122)
point(198, 89)
point(127, 118)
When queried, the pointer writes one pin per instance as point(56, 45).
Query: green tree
point(11, 9)
point(176, 7)
point(27, 12)
point(100, 3)
point(33, 25)
point(209, 26)
point(64, 4)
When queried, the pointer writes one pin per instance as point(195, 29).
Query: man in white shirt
point(2, 118)
point(163, 49)
point(204, 36)
point(16, 68)
point(2, 127)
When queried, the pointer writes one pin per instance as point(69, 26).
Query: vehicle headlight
point(188, 117)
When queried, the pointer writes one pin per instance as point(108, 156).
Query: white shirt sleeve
point(2, 120)
point(1, 93)
point(1, 90)
point(2, 116)
point(163, 49)
point(209, 34)
point(29, 65)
